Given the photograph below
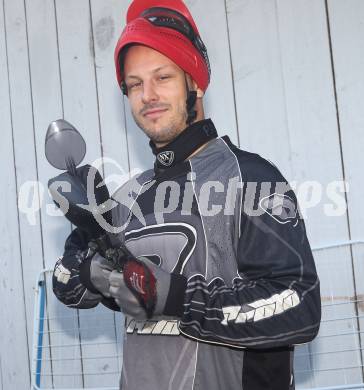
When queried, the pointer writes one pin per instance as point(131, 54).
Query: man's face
point(157, 93)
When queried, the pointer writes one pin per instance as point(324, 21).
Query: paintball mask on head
point(168, 27)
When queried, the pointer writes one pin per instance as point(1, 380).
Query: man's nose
point(149, 92)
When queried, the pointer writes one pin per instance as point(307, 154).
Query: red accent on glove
point(141, 281)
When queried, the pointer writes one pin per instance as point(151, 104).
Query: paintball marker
point(65, 149)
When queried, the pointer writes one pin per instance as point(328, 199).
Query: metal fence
point(76, 349)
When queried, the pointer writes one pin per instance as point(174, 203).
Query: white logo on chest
point(166, 158)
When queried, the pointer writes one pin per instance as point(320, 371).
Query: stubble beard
point(168, 132)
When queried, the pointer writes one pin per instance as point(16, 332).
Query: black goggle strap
point(164, 17)
point(124, 88)
point(190, 104)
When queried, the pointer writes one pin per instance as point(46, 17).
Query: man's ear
point(200, 93)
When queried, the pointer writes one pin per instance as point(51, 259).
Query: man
point(221, 283)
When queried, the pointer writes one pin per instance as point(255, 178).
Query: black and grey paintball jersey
point(227, 220)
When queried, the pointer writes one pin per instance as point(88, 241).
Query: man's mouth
point(154, 113)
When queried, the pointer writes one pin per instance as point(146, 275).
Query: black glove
point(95, 272)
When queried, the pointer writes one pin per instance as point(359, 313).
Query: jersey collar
point(177, 151)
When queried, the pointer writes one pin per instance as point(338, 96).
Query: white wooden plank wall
point(287, 82)
point(347, 33)
point(14, 366)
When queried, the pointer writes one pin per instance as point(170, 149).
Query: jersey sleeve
point(275, 298)
point(70, 284)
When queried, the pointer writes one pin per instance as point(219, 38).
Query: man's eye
point(134, 85)
point(164, 77)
